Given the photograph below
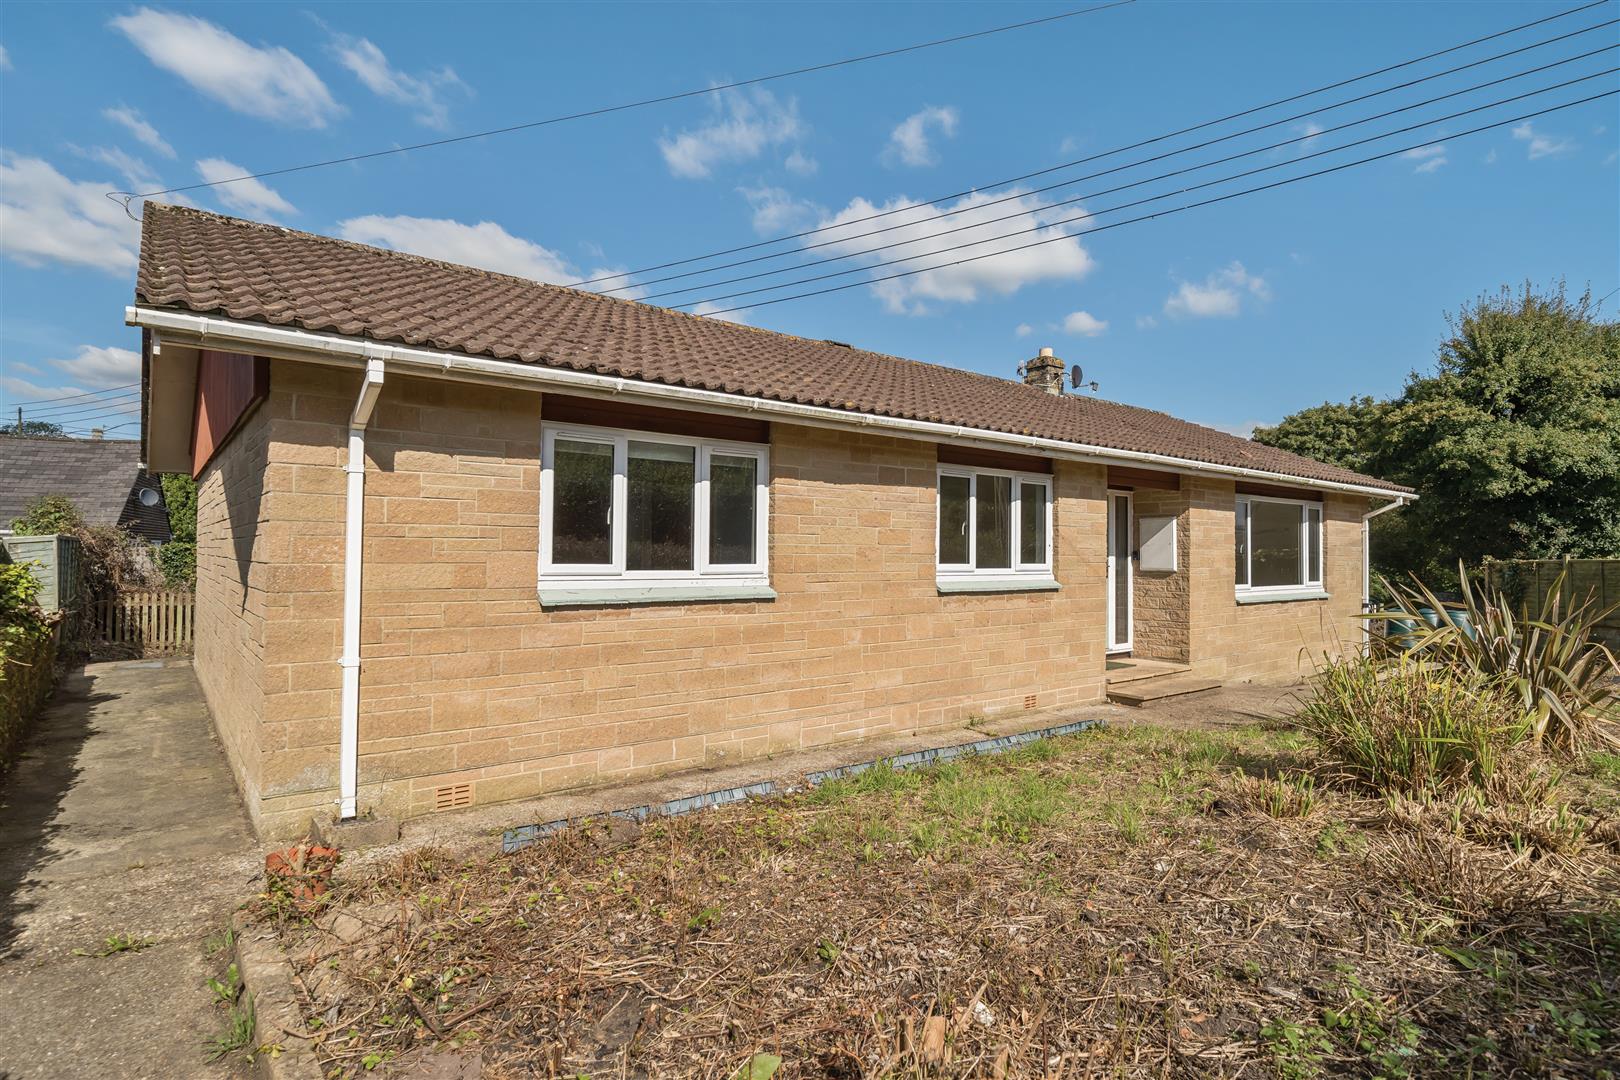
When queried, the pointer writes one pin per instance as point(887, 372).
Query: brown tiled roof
point(212, 264)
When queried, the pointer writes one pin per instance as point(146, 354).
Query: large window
point(628, 509)
point(993, 524)
point(1279, 545)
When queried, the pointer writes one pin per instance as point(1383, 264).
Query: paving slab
point(119, 818)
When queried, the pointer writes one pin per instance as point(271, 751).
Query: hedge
point(27, 658)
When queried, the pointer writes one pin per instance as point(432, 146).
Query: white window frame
point(1308, 585)
point(614, 576)
point(1019, 571)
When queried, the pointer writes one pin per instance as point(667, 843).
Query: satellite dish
point(1078, 379)
point(149, 496)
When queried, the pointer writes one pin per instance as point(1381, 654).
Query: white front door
point(1119, 571)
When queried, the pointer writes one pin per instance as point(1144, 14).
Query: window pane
point(953, 519)
point(1313, 551)
point(581, 503)
point(993, 527)
point(732, 482)
point(1121, 544)
point(1241, 519)
point(658, 532)
point(1275, 532)
point(1032, 523)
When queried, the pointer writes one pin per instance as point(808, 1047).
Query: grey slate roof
point(102, 477)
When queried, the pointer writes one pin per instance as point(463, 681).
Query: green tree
point(1340, 434)
point(178, 558)
point(35, 429)
point(1512, 442)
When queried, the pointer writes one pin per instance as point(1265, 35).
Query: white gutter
point(1366, 558)
point(349, 717)
point(297, 344)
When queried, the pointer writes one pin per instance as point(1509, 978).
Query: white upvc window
point(631, 515)
point(993, 526)
point(1278, 546)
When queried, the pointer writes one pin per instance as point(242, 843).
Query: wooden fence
point(1528, 581)
point(157, 623)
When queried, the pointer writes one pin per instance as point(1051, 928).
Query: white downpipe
point(1366, 558)
point(186, 328)
point(353, 548)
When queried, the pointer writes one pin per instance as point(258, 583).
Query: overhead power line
point(1029, 212)
point(65, 397)
point(128, 197)
point(1176, 209)
point(78, 407)
point(1103, 154)
point(1153, 198)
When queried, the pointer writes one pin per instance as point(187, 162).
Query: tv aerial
point(1077, 378)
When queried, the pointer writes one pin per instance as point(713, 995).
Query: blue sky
point(1228, 315)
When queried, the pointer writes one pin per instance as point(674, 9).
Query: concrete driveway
point(121, 818)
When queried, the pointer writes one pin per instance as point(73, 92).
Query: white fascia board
point(295, 344)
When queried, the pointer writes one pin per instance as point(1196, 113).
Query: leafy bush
point(178, 561)
point(1410, 726)
point(27, 652)
point(48, 514)
point(1564, 678)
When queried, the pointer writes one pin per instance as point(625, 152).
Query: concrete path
point(121, 818)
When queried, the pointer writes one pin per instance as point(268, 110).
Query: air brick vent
point(1029, 701)
point(452, 797)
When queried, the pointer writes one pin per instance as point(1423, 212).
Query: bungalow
point(464, 537)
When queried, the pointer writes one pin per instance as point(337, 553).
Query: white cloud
point(133, 122)
point(1023, 330)
point(1084, 324)
point(422, 92)
point(801, 164)
point(485, 245)
point(1428, 158)
point(5, 59)
point(268, 81)
point(776, 210)
point(742, 126)
point(136, 172)
point(1220, 296)
point(708, 310)
point(908, 142)
point(1539, 145)
point(1311, 130)
point(246, 196)
point(1062, 259)
point(1146, 322)
point(1244, 430)
point(98, 367)
point(46, 217)
point(1490, 158)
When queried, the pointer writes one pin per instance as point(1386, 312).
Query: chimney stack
point(96, 433)
point(1044, 371)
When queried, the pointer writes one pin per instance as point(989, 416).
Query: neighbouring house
point(103, 478)
point(464, 537)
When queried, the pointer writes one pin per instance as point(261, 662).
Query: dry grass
point(1116, 903)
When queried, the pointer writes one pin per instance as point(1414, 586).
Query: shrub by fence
point(27, 656)
point(1528, 581)
point(144, 623)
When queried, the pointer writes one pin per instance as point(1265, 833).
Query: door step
point(1146, 691)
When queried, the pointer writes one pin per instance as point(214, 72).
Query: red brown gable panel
point(229, 385)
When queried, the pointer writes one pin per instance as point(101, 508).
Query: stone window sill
point(581, 594)
point(950, 586)
point(1281, 597)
